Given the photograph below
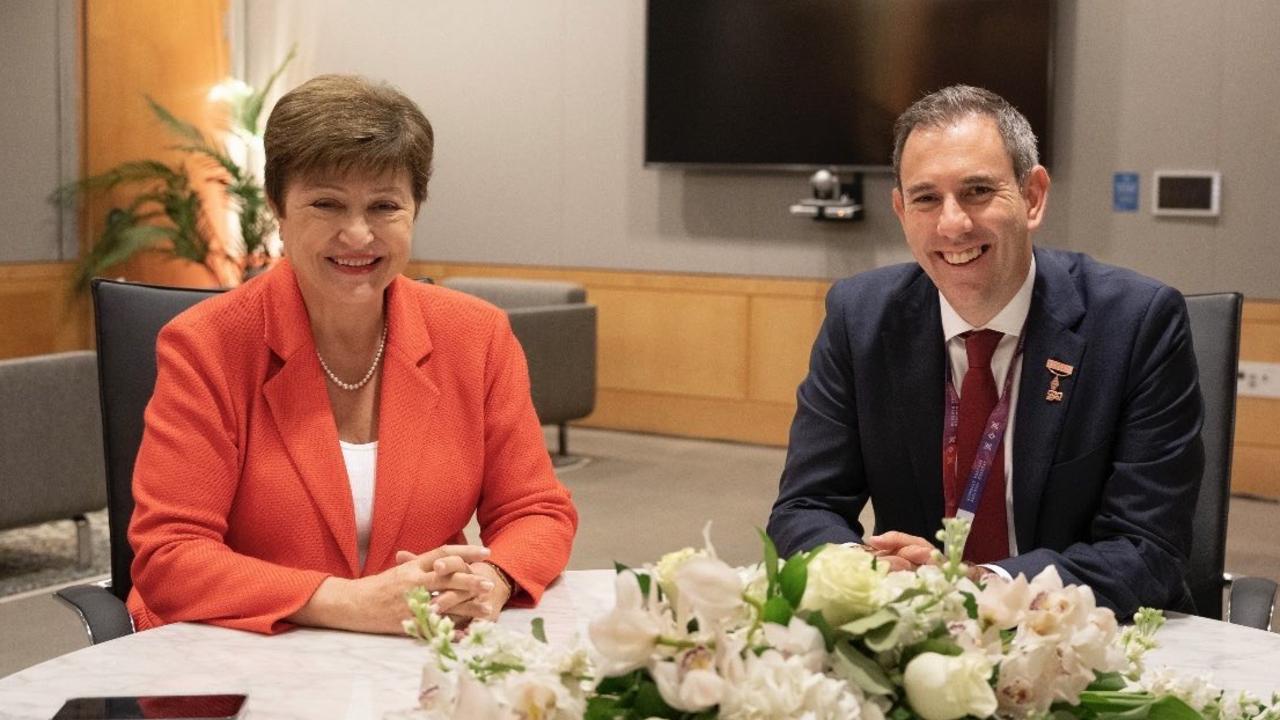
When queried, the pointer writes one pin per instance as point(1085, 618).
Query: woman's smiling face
point(348, 235)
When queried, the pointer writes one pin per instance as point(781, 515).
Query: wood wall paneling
point(1257, 449)
point(782, 333)
point(679, 343)
point(37, 315)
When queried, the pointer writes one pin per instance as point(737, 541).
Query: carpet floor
point(43, 555)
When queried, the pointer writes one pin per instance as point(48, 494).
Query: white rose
point(710, 587)
point(668, 565)
point(626, 636)
point(843, 585)
point(798, 639)
point(942, 687)
point(690, 690)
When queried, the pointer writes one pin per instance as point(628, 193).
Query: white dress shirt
point(1010, 321)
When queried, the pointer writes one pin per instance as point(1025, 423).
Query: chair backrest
point(128, 318)
point(49, 401)
point(1215, 331)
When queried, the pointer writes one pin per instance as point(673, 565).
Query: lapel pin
point(1059, 370)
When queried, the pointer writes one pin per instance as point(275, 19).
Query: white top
point(1008, 321)
point(362, 466)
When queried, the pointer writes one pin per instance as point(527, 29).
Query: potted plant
point(176, 207)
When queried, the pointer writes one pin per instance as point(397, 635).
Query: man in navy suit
point(1095, 463)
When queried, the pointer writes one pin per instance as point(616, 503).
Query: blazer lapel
point(914, 359)
point(408, 398)
point(299, 405)
point(1056, 310)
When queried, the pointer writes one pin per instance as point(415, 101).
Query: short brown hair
point(346, 122)
point(951, 104)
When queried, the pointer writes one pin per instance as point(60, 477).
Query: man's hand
point(901, 551)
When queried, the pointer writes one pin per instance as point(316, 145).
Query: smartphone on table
point(153, 707)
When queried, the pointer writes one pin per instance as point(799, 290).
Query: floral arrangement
point(829, 633)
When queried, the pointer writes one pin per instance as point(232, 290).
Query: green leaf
point(777, 610)
point(867, 623)
point(850, 664)
point(970, 605)
point(252, 109)
point(539, 630)
point(179, 127)
point(770, 563)
point(911, 593)
point(116, 245)
point(817, 620)
point(600, 707)
point(884, 637)
point(794, 576)
point(649, 702)
point(620, 684)
point(619, 568)
point(130, 172)
point(1107, 681)
point(900, 712)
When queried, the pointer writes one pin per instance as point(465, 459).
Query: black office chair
point(128, 318)
point(1215, 329)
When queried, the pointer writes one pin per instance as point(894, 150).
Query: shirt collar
point(1008, 321)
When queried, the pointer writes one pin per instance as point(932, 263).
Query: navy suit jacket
point(1104, 482)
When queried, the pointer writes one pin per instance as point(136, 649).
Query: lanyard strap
point(967, 504)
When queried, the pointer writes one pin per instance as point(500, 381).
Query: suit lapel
point(299, 405)
point(914, 359)
point(408, 398)
point(1056, 310)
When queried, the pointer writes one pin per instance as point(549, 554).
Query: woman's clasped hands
point(462, 585)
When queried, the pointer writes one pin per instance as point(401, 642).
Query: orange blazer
point(243, 506)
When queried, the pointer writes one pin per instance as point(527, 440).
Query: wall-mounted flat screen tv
point(796, 84)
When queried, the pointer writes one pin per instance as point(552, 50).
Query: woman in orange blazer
point(319, 437)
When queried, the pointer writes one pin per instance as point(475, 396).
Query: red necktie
point(989, 538)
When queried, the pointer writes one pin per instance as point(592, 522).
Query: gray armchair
point(51, 443)
point(557, 329)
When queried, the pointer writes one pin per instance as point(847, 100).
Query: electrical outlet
point(1258, 379)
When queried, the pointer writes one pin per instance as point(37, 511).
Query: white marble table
point(327, 674)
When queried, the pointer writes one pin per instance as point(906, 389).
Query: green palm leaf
point(252, 108)
point(179, 127)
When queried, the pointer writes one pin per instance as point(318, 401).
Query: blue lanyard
point(966, 506)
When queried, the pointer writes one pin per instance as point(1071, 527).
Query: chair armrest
point(559, 342)
point(104, 615)
point(1252, 601)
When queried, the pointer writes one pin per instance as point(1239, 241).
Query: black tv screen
point(795, 84)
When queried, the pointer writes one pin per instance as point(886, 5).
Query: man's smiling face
point(966, 219)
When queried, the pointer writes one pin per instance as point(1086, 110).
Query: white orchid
point(689, 682)
point(710, 589)
point(626, 636)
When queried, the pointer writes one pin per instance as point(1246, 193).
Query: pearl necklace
point(382, 344)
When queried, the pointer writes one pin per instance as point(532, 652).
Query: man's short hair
point(951, 104)
point(339, 123)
